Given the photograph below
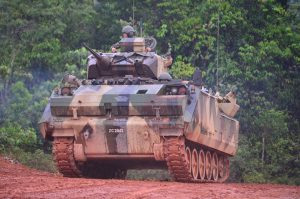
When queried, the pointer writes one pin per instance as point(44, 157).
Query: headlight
point(174, 90)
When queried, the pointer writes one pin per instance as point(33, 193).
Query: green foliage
point(152, 174)
point(163, 31)
point(76, 62)
point(12, 136)
point(21, 145)
point(272, 122)
point(3, 71)
point(20, 99)
point(255, 177)
point(181, 69)
point(47, 53)
point(37, 159)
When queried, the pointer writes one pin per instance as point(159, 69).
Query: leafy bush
point(21, 145)
point(255, 176)
point(37, 159)
point(12, 136)
point(180, 69)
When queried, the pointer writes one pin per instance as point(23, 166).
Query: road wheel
point(208, 165)
point(221, 167)
point(226, 167)
point(201, 164)
point(188, 158)
point(214, 166)
point(195, 164)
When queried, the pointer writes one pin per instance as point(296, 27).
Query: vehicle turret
point(133, 59)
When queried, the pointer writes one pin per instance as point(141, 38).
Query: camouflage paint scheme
point(120, 112)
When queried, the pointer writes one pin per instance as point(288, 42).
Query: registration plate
point(115, 130)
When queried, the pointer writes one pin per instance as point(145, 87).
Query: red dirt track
point(18, 181)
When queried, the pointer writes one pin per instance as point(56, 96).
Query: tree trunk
point(263, 150)
point(10, 77)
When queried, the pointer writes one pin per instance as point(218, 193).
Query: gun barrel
point(93, 52)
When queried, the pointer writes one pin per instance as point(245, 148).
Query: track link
point(63, 150)
point(174, 153)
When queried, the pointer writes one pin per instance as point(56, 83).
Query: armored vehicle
point(130, 114)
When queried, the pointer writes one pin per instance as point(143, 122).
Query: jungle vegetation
point(259, 58)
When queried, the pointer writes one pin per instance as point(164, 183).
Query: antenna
point(141, 27)
point(133, 13)
point(133, 24)
point(218, 44)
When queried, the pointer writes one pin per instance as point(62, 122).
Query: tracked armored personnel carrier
point(130, 114)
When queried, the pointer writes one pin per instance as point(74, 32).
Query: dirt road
point(17, 181)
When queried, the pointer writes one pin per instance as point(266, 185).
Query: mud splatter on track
point(18, 181)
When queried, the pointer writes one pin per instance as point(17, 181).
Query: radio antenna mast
point(132, 12)
point(218, 44)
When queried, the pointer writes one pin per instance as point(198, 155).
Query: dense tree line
point(259, 58)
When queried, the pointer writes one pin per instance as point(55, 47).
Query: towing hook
point(87, 132)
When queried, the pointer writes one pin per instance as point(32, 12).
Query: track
point(63, 157)
point(63, 150)
point(183, 161)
